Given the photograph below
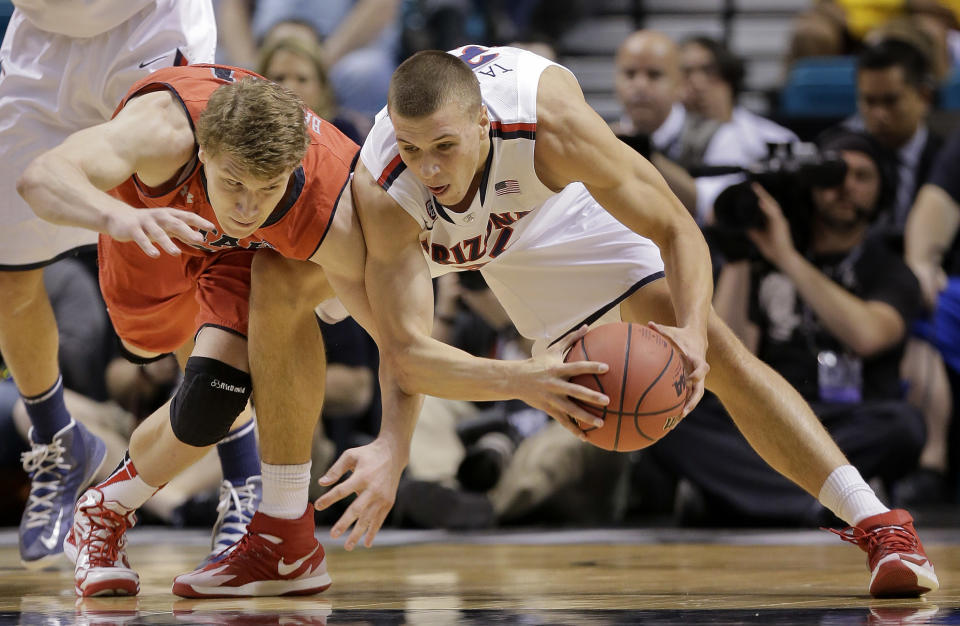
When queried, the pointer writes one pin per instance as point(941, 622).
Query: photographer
point(830, 315)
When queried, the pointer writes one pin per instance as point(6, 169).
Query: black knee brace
point(208, 401)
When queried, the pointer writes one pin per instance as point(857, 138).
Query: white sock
point(285, 490)
point(849, 497)
point(125, 486)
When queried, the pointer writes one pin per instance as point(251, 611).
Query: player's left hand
point(692, 344)
point(375, 474)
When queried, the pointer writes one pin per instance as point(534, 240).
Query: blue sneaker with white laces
point(59, 471)
point(234, 511)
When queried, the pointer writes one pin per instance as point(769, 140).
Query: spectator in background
point(650, 85)
point(933, 252)
point(296, 62)
point(712, 81)
point(894, 98)
point(360, 41)
point(654, 122)
point(841, 28)
point(820, 31)
point(831, 316)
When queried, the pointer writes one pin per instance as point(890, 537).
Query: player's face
point(445, 149)
point(892, 109)
point(241, 202)
point(844, 204)
point(647, 83)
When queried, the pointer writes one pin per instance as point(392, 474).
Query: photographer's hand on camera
point(774, 241)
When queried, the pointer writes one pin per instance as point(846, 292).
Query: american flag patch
point(507, 186)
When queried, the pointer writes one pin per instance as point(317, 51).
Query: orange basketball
point(646, 385)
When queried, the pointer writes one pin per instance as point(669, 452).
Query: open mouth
point(438, 190)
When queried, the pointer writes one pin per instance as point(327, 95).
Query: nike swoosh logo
point(915, 559)
point(51, 541)
point(285, 570)
point(143, 64)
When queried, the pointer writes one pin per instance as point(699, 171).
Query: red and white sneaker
point(96, 546)
point(276, 557)
point(899, 568)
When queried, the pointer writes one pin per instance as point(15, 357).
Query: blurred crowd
point(834, 248)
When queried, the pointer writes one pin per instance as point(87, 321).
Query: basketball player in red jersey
point(200, 167)
point(491, 159)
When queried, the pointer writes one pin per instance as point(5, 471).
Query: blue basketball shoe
point(235, 510)
point(59, 471)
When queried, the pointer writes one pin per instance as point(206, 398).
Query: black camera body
point(788, 173)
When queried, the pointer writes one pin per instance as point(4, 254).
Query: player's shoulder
point(157, 109)
point(327, 142)
point(380, 146)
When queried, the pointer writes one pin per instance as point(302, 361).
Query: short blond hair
point(257, 122)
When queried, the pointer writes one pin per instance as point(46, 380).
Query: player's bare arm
point(575, 144)
point(151, 137)
point(401, 297)
point(374, 469)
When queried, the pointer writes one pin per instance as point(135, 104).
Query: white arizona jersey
point(531, 244)
point(510, 191)
point(79, 18)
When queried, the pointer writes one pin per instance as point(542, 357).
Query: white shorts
point(572, 265)
point(52, 86)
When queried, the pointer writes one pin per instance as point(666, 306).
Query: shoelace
point(250, 545)
point(39, 460)
point(243, 501)
point(890, 538)
point(105, 537)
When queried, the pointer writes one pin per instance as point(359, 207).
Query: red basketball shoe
point(899, 568)
point(96, 546)
point(276, 557)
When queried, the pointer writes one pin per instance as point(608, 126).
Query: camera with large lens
point(788, 173)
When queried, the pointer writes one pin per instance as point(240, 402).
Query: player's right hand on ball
point(147, 227)
point(549, 389)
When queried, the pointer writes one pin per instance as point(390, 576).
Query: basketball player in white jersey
point(490, 159)
point(64, 66)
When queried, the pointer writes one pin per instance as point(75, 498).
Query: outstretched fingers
point(346, 462)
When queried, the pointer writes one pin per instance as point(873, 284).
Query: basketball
point(646, 385)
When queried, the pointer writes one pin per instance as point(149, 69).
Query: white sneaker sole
point(303, 586)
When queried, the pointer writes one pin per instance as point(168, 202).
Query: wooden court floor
point(614, 576)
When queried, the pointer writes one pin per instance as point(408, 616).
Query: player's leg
point(288, 365)
point(781, 427)
point(772, 415)
point(214, 391)
point(240, 488)
point(64, 455)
